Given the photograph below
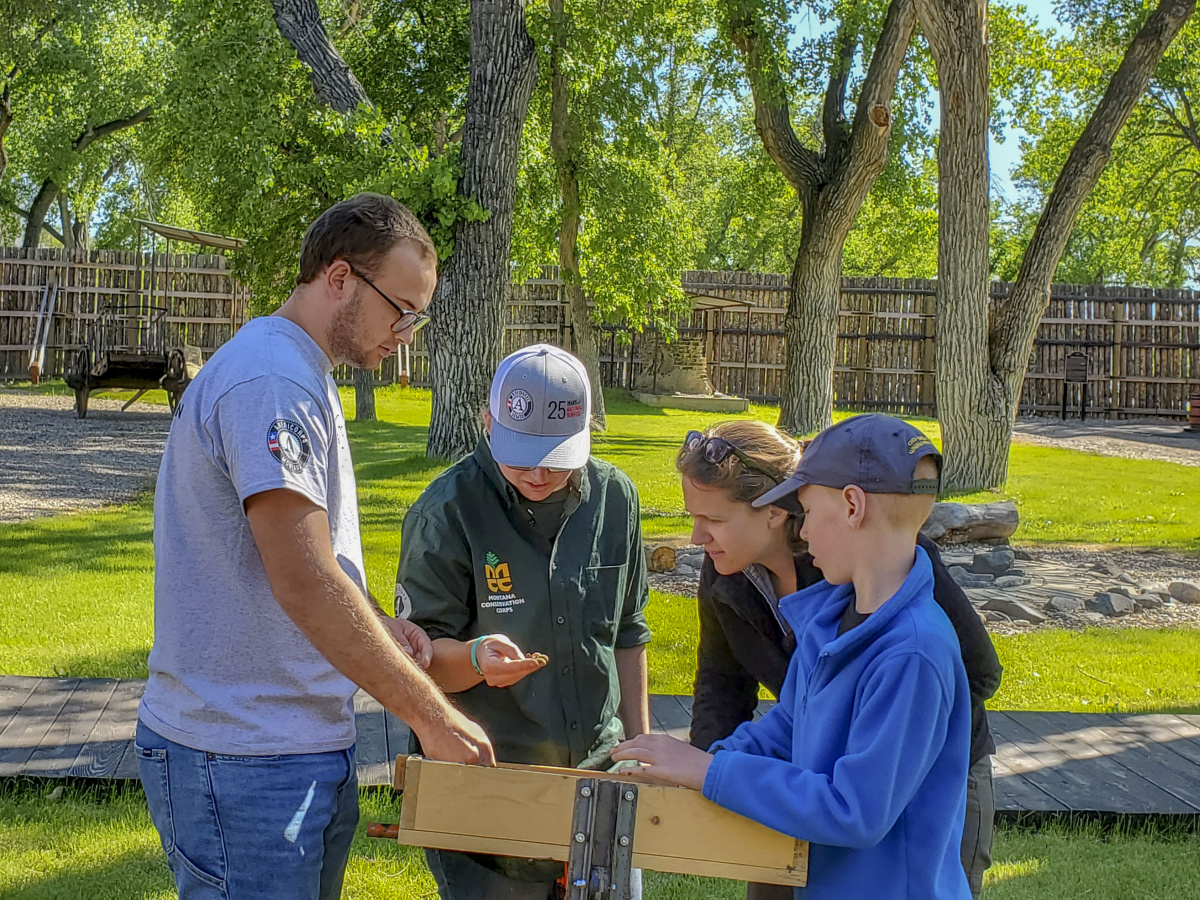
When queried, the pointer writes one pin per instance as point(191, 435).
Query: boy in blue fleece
point(866, 753)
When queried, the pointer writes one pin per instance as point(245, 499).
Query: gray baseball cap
point(878, 453)
point(541, 405)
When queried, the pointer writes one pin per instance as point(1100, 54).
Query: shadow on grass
point(117, 540)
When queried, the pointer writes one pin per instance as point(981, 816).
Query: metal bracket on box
point(600, 863)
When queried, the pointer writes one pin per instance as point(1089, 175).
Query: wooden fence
point(200, 300)
point(1142, 344)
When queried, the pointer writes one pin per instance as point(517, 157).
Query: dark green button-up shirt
point(471, 564)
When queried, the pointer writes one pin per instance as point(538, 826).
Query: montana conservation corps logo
point(499, 581)
point(289, 443)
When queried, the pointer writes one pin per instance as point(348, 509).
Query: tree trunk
point(564, 145)
point(981, 369)
point(37, 213)
point(832, 185)
point(64, 216)
point(299, 21)
point(364, 395)
point(810, 332)
point(335, 86)
point(464, 335)
point(975, 418)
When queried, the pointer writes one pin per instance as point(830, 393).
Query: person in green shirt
point(524, 563)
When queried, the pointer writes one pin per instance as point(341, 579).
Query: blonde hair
point(909, 511)
point(769, 449)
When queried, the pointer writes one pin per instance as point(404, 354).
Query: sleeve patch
point(289, 443)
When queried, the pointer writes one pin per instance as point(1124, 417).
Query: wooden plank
point(1170, 731)
point(112, 736)
point(1083, 782)
point(14, 692)
point(24, 732)
point(1029, 766)
point(66, 737)
point(669, 717)
point(527, 812)
point(1128, 745)
point(371, 751)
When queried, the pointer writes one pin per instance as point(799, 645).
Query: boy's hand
point(667, 760)
point(503, 663)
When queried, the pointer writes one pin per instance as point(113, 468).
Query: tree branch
point(24, 214)
point(772, 119)
point(300, 24)
point(1016, 317)
point(91, 134)
point(834, 127)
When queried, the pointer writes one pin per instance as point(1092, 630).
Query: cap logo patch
point(564, 409)
point(916, 443)
point(520, 405)
point(289, 443)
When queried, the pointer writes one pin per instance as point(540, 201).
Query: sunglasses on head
point(716, 450)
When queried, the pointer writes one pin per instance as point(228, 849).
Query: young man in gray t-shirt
point(264, 627)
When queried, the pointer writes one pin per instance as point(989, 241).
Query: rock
point(1184, 591)
point(959, 523)
point(1094, 617)
point(1122, 590)
point(991, 615)
point(1010, 581)
point(1148, 601)
point(693, 557)
point(686, 571)
point(661, 559)
point(1018, 572)
point(1023, 555)
point(993, 562)
point(1111, 604)
point(966, 579)
point(1128, 579)
point(1110, 569)
point(1015, 609)
point(1064, 605)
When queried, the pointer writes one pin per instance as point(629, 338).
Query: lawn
point(76, 599)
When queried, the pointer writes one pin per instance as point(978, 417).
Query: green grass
point(73, 843)
point(76, 599)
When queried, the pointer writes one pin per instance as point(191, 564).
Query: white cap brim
point(513, 448)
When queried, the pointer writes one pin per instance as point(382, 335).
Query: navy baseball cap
point(878, 453)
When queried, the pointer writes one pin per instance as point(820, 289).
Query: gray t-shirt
point(230, 672)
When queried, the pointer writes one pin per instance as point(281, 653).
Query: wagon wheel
point(83, 378)
point(175, 378)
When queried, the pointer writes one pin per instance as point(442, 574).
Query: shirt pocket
point(604, 596)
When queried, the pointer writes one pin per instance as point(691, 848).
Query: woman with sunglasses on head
point(752, 558)
point(524, 564)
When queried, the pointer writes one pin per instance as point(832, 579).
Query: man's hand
point(503, 663)
point(412, 639)
point(666, 760)
point(457, 739)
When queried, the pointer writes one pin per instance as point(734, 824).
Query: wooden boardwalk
point(1045, 762)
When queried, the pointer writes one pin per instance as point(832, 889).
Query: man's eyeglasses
point(716, 450)
point(408, 318)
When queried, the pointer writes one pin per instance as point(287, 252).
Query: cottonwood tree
point(983, 349)
point(467, 308)
point(832, 180)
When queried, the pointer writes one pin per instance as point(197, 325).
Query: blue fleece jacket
point(865, 755)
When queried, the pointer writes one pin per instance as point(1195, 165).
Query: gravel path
point(1128, 438)
point(52, 462)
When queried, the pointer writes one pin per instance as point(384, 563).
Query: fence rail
point(203, 301)
point(1142, 344)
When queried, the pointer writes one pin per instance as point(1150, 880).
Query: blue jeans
point(241, 827)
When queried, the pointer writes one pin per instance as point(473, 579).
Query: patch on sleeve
point(403, 602)
point(289, 443)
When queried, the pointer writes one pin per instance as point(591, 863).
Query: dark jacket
point(742, 645)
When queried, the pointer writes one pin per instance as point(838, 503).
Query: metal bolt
point(579, 837)
point(629, 796)
point(585, 791)
point(624, 840)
